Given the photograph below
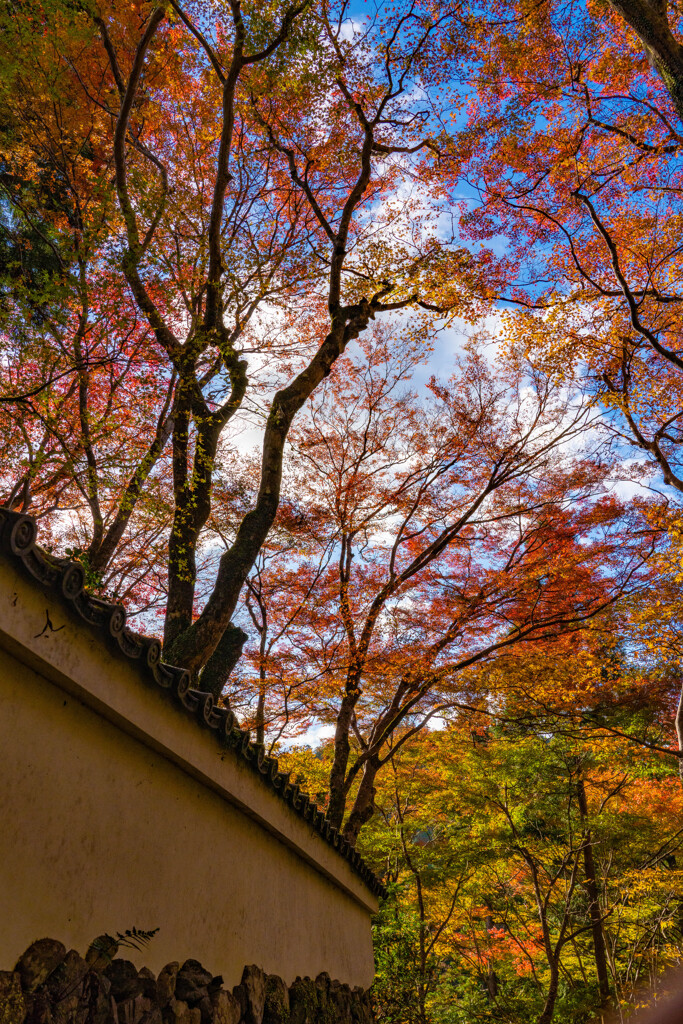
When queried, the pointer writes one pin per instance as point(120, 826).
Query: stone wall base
point(50, 985)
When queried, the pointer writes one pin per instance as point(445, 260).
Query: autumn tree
point(85, 403)
point(434, 535)
point(239, 174)
point(481, 834)
point(570, 151)
point(618, 680)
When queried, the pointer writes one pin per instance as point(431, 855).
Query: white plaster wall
point(110, 819)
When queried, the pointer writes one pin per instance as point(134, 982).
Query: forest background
point(341, 343)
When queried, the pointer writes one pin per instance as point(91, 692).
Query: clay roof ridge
point(65, 578)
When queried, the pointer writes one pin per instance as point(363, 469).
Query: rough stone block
point(70, 1010)
point(166, 983)
point(38, 962)
point(303, 1002)
point(178, 1012)
point(65, 984)
point(226, 1009)
point(38, 1008)
point(192, 983)
point(12, 1005)
point(361, 1007)
point(276, 1006)
point(188, 1016)
point(251, 994)
point(339, 1001)
point(133, 1011)
point(149, 983)
point(322, 987)
point(153, 1017)
point(125, 984)
point(100, 990)
point(96, 1001)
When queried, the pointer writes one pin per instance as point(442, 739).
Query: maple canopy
point(236, 242)
point(571, 149)
point(429, 535)
point(206, 198)
point(342, 342)
point(533, 878)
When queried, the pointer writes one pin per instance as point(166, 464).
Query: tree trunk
point(649, 21)
point(180, 560)
point(364, 804)
point(193, 647)
point(679, 733)
point(217, 670)
point(549, 1007)
point(261, 715)
point(591, 886)
point(192, 499)
point(101, 556)
point(342, 749)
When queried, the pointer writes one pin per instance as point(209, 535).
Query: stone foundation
point(50, 985)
